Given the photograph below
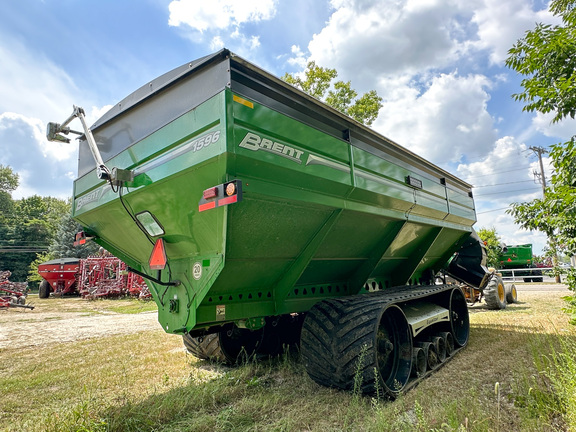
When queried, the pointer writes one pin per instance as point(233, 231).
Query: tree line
point(33, 230)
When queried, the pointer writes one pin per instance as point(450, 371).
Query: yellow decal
point(242, 101)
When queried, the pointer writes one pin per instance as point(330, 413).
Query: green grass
point(146, 382)
point(135, 306)
point(124, 305)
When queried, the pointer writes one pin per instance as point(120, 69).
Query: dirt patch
point(67, 320)
point(76, 319)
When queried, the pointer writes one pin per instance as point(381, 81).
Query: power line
point(490, 211)
point(512, 191)
point(499, 184)
point(500, 172)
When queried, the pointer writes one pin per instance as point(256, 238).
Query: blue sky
point(438, 64)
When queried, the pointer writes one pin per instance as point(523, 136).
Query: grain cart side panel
point(267, 203)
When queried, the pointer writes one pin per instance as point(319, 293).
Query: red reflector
point(80, 238)
point(509, 259)
point(158, 258)
point(210, 193)
point(207, 206)
point(228, 200)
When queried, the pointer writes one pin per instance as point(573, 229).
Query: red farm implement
point(91, 277)
point(109, 277)
point(12, 294)
point(59, 276)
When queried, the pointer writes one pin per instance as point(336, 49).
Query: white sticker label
point(197, 271)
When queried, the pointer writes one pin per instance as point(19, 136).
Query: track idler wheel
point(358, 341)
point(459, 319)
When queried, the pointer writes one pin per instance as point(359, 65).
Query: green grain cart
point(518, 258)
point(262, 217)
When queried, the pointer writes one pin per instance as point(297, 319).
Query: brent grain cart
point(59, 276)
point(251, 208)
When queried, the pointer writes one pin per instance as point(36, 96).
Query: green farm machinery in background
point(262, 218)
point(520, 259)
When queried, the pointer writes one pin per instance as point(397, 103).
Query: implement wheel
point(205, 347)
point(511, 293)
point(358, 343)
point(44, 289)
point(495, 293)
point(231, 345)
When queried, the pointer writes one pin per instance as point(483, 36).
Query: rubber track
point(337, 332)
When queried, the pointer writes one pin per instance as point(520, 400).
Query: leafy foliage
point(63, 244)
point(27, 226)
point(556, 213)
point(547, 57)
point(317, 82)
point(9, 180)
point(493, 245)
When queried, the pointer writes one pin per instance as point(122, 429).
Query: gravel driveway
point(21, 328)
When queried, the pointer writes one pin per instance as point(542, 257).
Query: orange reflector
point(158, 258)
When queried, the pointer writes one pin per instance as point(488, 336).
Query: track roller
point(448, 342)
point(419, 363)
point(429, 349)
point(440, 345)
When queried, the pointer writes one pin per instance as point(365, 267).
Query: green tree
point(493, 245)
point(62, 246)
point(546, 56)
point(317, 82)
point(8, 183)
point(28, 231)
point(9, 180)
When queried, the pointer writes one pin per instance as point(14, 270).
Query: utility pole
point(542, 176)
point(539, 152)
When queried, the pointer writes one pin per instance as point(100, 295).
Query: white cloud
point(364, 39)
point(219, 14)
point(216, 43)
point(254, 42)
point(44, 167)
point(39, 91)
point(563, 130)
point(446, 122)
point(503, 176)
point(36, 86)
point(298, 57)
point(501, 23)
